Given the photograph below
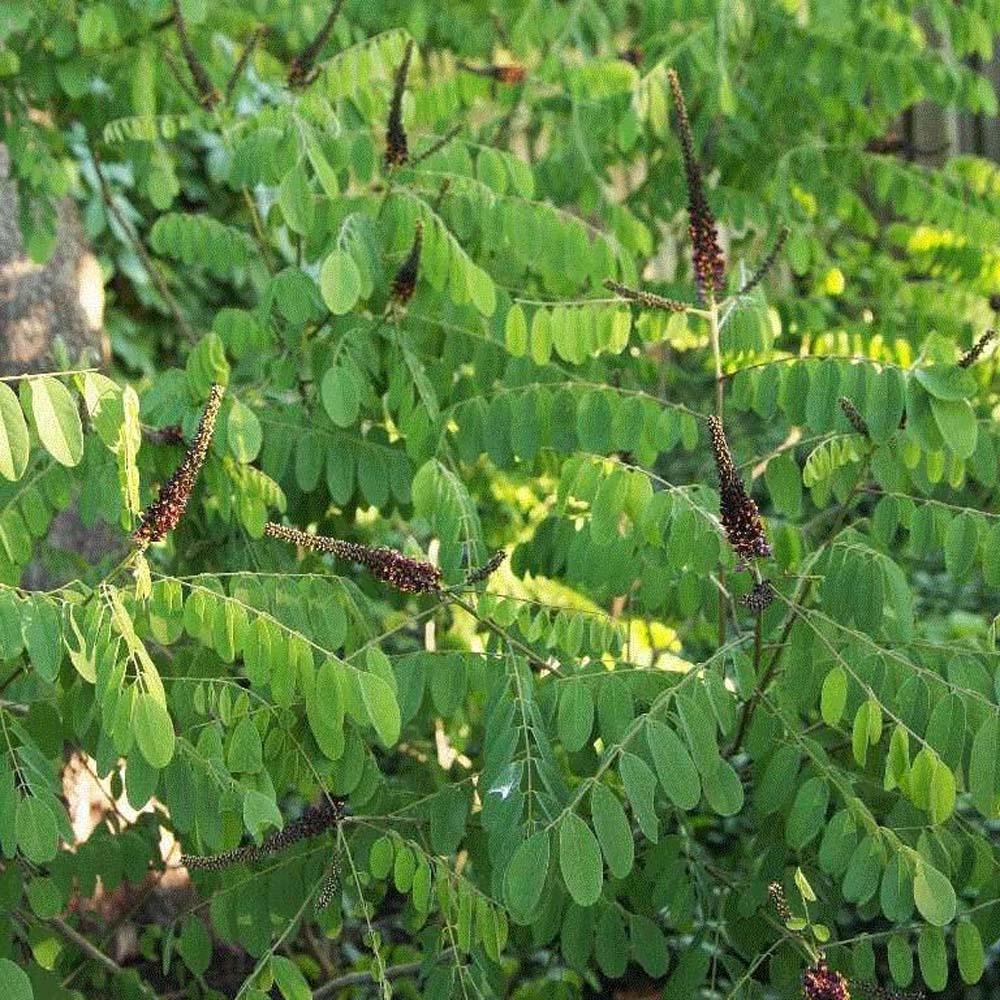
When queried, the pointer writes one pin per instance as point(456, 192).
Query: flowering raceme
point(397, 150)
point(820, 982)
point(974, 353)
point(313, 821)
point(488, 568)
point(166, 511)
point(411, 576)
point(709, 264)
point(740, 517)
point(405, 282)
point(508, 73)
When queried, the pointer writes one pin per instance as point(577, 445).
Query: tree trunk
point(40, 303)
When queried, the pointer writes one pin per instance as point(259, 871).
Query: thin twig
point(258, 229)
point(12, 677)
point(714, 343)
point(758, 630)
point(90, 950)
point(320, 953)
point(301, 70)
point(442, 191)
point(208, 94)
point(500, 631)
point(241, 63)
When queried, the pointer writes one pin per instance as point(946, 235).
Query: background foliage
point(583, 774)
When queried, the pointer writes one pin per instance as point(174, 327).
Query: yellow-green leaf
point(154, 732)
point(14, 443)
point(339, 282)
point(56, 418)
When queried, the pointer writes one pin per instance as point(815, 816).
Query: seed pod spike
point(241, 63)
point(301, 70)
point(853, 415)
point(767, 263)
point(488, 568)
point(437, 145)
point(331, 883)
point(759, 599)
point(777, 894)
point(313, 821)
point(648, 299)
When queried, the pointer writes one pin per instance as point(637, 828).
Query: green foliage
point(586, 767)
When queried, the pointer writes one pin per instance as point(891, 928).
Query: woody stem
point(713, 337)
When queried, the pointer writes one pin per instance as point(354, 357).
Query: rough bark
point(63, 298)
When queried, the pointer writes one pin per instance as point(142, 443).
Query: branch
point(360, 978)
point(797, 600)
point(90, 950)
point(237, 72)
point(532, 657)
point(208, 94)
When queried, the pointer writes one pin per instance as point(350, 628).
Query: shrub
point(398, 291)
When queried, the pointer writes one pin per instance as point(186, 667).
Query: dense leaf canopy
point(439, 257)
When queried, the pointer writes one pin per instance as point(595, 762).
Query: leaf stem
point(500, 631)
point(361, 978)
point(802, 593)
point(713, 338)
